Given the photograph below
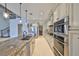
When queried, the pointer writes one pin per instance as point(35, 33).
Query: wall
point(3, 22)
point(14, 26)
point(35, 28)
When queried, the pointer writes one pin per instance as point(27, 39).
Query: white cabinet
point(62, 10)
point(74, 30)
point(74, 44)
point(75, 14)
point(71, 10)
point(56, 14)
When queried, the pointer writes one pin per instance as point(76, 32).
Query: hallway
point(42, 48)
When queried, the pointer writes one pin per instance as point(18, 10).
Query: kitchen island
point(16, 47)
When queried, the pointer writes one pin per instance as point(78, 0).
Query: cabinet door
point(56, 15)
point(74, 46)
point(74, 16)
point(62, 10)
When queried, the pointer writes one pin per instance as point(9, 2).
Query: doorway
point(19, 30)
point(40, 30)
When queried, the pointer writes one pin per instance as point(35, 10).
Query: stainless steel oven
point(59, 45)
point(60, 33)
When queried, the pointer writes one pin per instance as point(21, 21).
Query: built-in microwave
point(61, 26)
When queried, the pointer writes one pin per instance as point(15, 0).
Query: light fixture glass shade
point(6, 15)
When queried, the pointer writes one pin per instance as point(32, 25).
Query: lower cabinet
point(74, 42)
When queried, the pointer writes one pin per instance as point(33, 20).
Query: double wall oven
point(60, 34)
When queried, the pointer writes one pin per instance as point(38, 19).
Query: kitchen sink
point(27, 38)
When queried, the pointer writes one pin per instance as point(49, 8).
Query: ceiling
point(39, 11)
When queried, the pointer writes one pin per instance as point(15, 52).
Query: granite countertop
point(11, 46)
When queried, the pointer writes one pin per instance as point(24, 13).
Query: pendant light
point(26, 15)
point(5, 14)
point(20, 13)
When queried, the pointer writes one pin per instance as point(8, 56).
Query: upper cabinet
point(55, 15)
point(73, 12)
point(76, 15)
point(60, 12)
